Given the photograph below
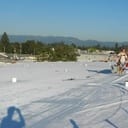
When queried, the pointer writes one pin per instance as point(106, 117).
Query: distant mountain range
point(66, 40)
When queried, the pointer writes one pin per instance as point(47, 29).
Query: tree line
point(42, 51)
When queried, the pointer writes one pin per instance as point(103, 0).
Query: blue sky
point(103, 20)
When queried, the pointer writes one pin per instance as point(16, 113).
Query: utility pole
point(20, 50)
point(4, 49)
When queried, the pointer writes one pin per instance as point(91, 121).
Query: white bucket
point(65, 70)
point(126, 85)
point(14, 80)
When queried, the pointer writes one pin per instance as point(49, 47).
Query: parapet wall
point(95, 57)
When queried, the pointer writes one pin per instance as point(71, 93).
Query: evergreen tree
point(4, 42)
point(116, 47)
